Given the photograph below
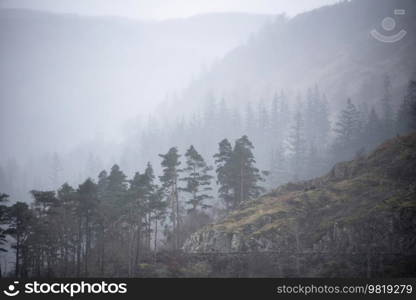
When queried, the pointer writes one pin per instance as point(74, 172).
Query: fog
point(88, 68)
point(67, 80)
point(164, 9)
point(80, 77)
point(180, 113)
point(89, 90)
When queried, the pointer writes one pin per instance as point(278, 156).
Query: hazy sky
point(162, 9)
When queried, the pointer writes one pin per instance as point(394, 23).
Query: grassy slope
point(367, 189)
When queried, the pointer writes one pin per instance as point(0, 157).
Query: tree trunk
point(129, 256)
point(87, 243)
point(78, 250)
point(65, 259)
point(137, 256)
point(177, 219)
point(150, 233)
point(174, 223)
point(17, 256)
point(241, 186)
point(102, 251)
point(155, 244)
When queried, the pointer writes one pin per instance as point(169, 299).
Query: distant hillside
point(359, 218)
point(330, 46)
point(57, 68)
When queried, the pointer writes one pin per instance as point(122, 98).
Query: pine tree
point(223, 170)
point(157, 205)
point(3, 221)
point(314, 162)
point(143, 209)
point(170, 164)
point(86, 212)
point(310, 116)
point(386, 100)
point(406, 116)
point(245, 177)
point(373, 131)
point(66, 227)
point(263, 120)
point(104, 215)
point(115, 196)
point(316, 119)
point(278, 164)
point(263, 131)
point(102, 184)
point(275, 121)
point(115, 205)
point(284, 109)
point(117, 185)
point(324, 124)
point(44, 201)
point(197, 180)
point(297, 146)
point(348, 130)
point(154, 204)
point(44, 241)
point(19, 219)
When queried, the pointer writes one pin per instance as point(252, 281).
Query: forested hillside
point(356, 221)
point(304, 68)
point(79, 231)
point(292, 155)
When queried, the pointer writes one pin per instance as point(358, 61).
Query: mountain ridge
point(342, 57)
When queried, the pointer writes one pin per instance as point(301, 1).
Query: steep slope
point(365, 207)
point(330, 46)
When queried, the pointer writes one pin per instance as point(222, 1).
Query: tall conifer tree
point(197, 180)
point(170, 164)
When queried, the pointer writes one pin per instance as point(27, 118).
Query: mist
point(82, 80)
point(162, 10)
point(79, 79)
point(205, 119)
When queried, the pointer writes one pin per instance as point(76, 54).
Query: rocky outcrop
point(366, 206)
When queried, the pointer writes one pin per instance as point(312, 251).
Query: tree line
point(314, 144)
point(109, 227)
point(295, 136)
point(113, 225)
